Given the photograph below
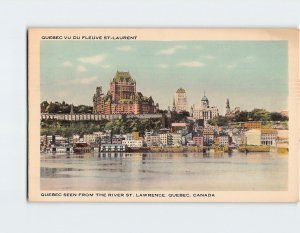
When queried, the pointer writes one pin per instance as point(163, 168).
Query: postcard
point(163, 115)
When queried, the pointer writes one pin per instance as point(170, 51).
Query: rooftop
point(123, 76)
point(180, 90)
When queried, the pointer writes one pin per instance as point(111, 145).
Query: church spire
point(227, 106)
point(174, 106)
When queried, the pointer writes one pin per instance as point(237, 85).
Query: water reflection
point(165, 171)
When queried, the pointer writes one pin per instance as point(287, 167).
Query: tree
point(241, 116)
point(260, 115)
point(276, 116)
point(219, 120)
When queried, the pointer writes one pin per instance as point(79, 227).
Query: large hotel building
point(122, 98)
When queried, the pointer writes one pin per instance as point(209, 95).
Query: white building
point(204, 111)
point(223, 140)
point(165, 139)
point(152, 140)
point(269, 137)
point(175, 139)
point(133, 143)
point(89, 138)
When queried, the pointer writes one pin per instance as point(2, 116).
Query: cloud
point(191, 64)
point(124, 48)
point(231, 66)
point(106, 66)
point(209, 57)
point(198, 47)
point(85, 81)
point(93, 59)
point(248, 59)
point(81, 68)
point(163, 66)
point(67, 64)
point(171, 50)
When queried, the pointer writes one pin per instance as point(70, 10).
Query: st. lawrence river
point(263, 171)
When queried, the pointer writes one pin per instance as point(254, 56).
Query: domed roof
point(204, 98)
point(180, 90)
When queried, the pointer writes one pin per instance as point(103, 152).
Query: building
point(253, 137)
point(181, 100)
point(133, 143)
point(208, 137)
point(122, 98)
point(204, 111)
point(252, 125)
point(228, 112)
point(176, 139)
point(269, 137)
point(181, 127)
point(165, 139)
point(113, 148)
point(223, 139)
point(89, 138)
point(135, 135)
point(117, 139)
point(153, 140)
point(198, 140)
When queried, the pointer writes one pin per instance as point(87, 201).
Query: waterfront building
point(113, 148)
point(165, 139)
point(198, 140)
point(269, 137)
point(133, 143)
point(283, 137)
point(204, 111)
point(236, 136)
point(181, 100)
point(223, 139)
point(60, 149)
point(117, 139)
point(153, 140)
point(75, 138)
point(176, 139)
point(135, 135)
point(253, 137)
point(89, 138)
point(208, 137)
point(122, 98)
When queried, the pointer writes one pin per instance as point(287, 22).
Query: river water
point(267, 171)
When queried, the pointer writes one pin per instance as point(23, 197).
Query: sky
point(252, 74)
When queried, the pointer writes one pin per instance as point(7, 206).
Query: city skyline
point(71, 70)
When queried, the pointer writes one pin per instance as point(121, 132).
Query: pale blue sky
point(252, 74)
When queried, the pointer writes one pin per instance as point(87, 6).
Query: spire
point(72, 112)
point(174, 106)
point(227, 106)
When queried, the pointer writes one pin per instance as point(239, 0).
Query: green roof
point(180, 90)
point(119, 76)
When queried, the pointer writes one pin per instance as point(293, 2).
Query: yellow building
point(135, 135)
point(253, 137)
